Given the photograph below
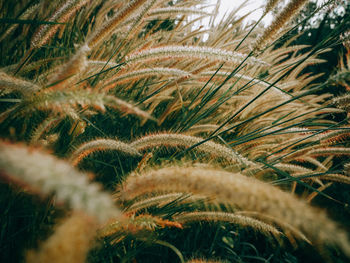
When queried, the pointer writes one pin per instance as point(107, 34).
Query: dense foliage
point(130, 134)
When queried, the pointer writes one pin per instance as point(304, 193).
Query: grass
point(128, 135)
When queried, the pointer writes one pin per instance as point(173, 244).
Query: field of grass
point(130, 134)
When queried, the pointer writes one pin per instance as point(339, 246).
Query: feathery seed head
point(10, 84)
point(101, 145)
point(243, 192)
point(343, 101)
point(290, 10)
point(194, 52)
point(50, 175)
point(228, 217)
point(73, 67)
point(177, 11)
point(25, 15)
point(62, 15)
point(330, 151)
point(111, 25)
point(179, 140)
point(69, 243)
point(148, 72)
point(68, 102)
point(269, 6)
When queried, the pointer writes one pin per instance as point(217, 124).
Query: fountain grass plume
point(62, 15)
point(269, 6)
point(163, 200)
point(43, 128)
point(107, 28)
point(9, 84)
point(242, 221)
point(72, 68)
point(145, 73)
point(287, 13)
point(68, 102)
point(135, 224)
point(25, 15)
point(70, 242)
point(101, 145)
point(246, 193)
point(177, 11)
point(330, 151)
point(192, 52)
point(180, 140)
point(48, 175)
point(148, 202)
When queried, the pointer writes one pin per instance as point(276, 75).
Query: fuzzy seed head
point(70, 242)
point(243, 192)
point(101, 145)
point(49, 175)
point(194, 52)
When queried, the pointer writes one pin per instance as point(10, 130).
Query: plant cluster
point(130, 134)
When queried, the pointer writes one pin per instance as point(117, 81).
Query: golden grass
point(47, 174)
point(116, 66)
point(70, 242)
point(243, 192)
